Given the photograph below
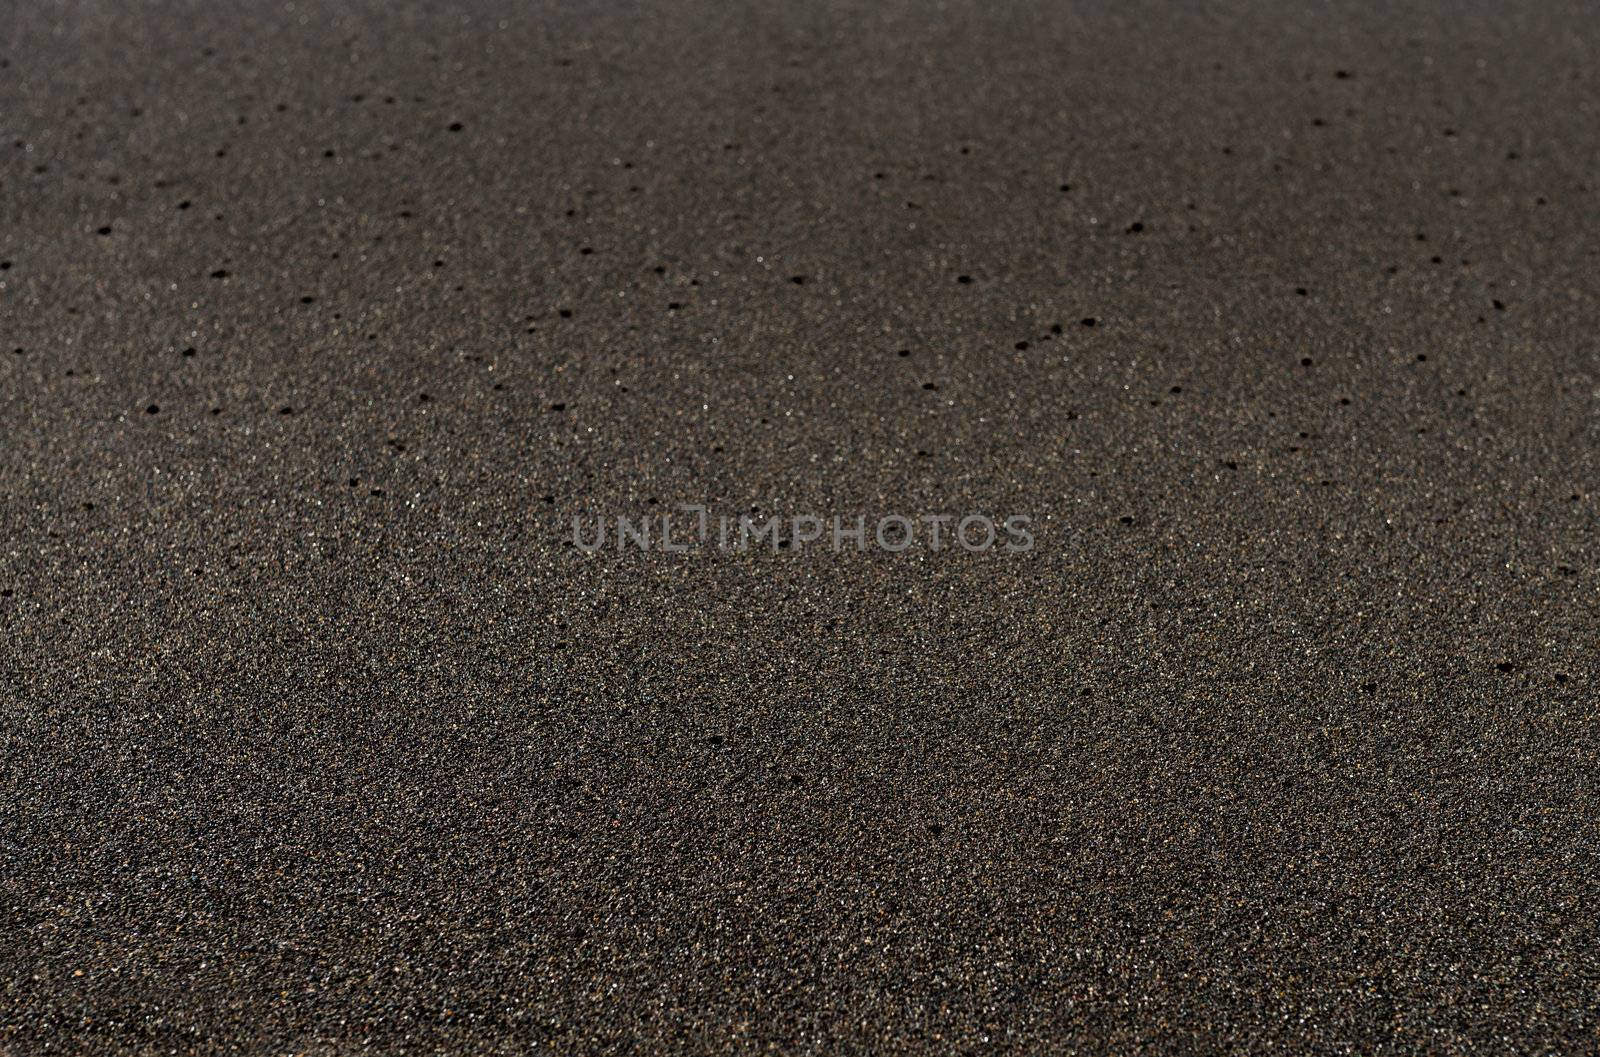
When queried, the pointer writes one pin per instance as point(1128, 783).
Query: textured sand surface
point(320, 321)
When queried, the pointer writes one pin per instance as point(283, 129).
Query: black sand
point(317, 736)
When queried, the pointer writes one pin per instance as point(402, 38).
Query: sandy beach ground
point(321, 322)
